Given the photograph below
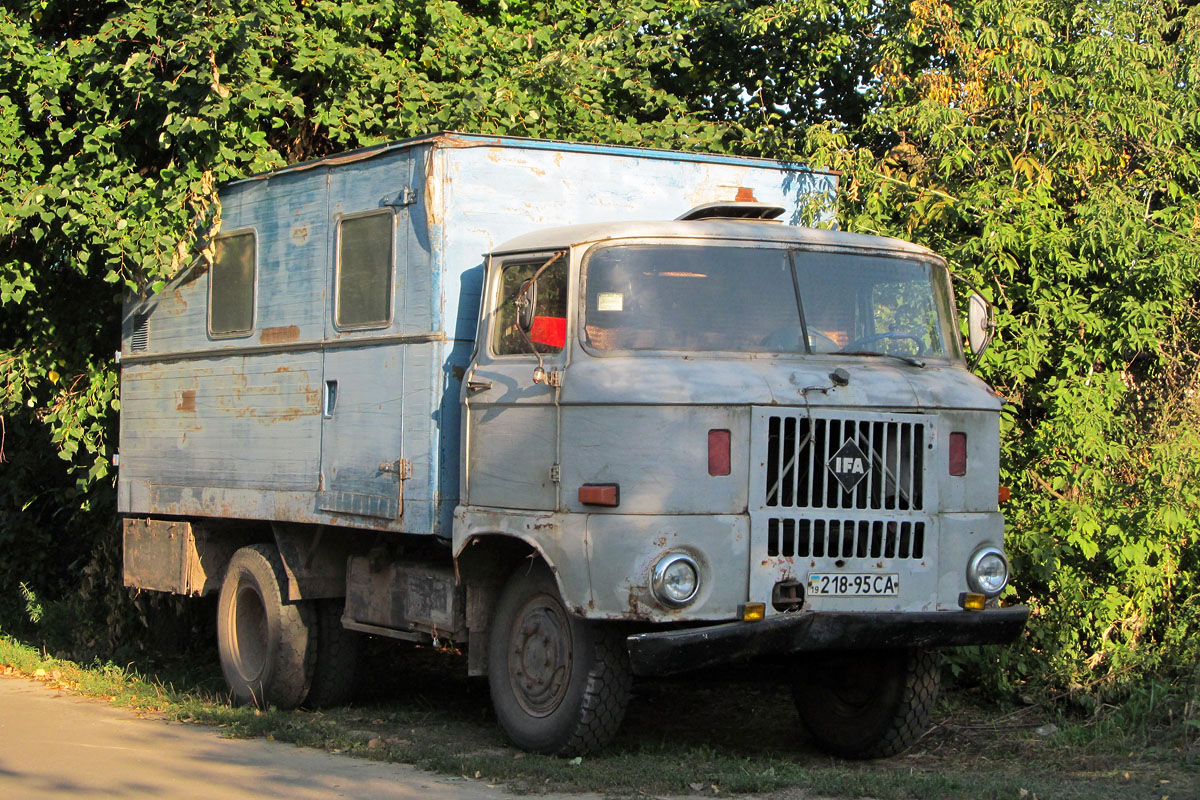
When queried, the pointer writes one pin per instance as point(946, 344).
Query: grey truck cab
point(748, 439)
point(611, 448)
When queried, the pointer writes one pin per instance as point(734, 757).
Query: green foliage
point(1048, 148)
point(117, 122)
point(1051, 154)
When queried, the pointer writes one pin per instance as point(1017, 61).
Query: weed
point(714, 734)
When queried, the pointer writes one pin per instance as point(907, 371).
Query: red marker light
point(600, 494)
point(958, 453)
point(718, 452)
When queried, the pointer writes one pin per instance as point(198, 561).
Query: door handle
point(330, 399)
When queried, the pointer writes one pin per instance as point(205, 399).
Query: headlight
point(676, 580)
point(987, 571)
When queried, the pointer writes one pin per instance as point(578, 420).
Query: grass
point(712, 734)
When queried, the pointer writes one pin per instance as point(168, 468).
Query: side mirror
point(979, 324)
point(526, 305)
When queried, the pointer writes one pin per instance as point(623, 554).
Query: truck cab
point(743, 439)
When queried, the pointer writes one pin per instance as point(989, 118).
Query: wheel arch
point(483, 564)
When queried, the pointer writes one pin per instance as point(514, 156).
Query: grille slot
point(799, 450)
point(140, 340)
point(837, 538)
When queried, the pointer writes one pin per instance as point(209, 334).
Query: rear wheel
point(559, 684)
point(867, 704)
point(336, 668)
point(266, 645)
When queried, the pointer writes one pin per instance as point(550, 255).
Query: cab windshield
point(740, 298)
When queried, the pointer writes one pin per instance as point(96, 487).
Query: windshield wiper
point(912, 361)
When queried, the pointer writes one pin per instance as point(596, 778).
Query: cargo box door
point(362, 469)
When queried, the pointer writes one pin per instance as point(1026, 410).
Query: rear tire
point(560, 685)
point(867, 704)
point(336, 669)
point(266, 645)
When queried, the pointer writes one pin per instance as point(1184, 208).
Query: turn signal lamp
point(971, 601)
point(600, 494)
point(753, 612)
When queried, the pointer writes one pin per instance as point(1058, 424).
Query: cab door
point(511, 392)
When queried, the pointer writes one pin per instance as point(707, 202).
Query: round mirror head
point(979, 324)
point(526, 304)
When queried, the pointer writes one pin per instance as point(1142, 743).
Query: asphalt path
point(58, 745)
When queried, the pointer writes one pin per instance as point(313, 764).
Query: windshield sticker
point(610, 301)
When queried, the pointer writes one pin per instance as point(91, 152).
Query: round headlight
point(987, 572)
point(676, 580)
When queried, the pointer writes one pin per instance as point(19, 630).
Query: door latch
point(401, 468)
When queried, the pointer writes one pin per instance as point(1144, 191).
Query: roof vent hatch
point(734, 210)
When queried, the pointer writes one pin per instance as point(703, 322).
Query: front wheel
point(559, 684)
point(266, 644)
point(867, 704)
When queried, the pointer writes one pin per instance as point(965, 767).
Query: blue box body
point(234, 427)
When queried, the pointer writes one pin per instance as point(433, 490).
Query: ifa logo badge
point(849, 465)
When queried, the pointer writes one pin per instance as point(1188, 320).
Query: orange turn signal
point(972, 601)
point(600, 494)
point(752, 612)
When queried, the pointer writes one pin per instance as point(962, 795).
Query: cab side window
point(364, 271)
point(232, 284)
point(549, 332)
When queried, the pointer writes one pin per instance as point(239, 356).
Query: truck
point(586, 412)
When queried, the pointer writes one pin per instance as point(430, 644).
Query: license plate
point(854, 584)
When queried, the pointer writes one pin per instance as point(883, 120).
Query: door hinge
point(401, 468)
point(554, 473)
point(550, 377)
point(404, 197)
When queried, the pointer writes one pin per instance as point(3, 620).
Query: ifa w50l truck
point(656, 426)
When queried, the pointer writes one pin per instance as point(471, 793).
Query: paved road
point(56, 745)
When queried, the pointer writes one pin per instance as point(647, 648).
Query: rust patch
point(745, 195)
point(283, 335)
point(282, 369)
point(300, 234)
point(186, 401)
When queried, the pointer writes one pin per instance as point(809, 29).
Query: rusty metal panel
point(162, 555)
point(404, 597)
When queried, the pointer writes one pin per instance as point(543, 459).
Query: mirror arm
point(538, 274)
point(540, 370)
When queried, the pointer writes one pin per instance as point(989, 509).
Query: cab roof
point(727, 229)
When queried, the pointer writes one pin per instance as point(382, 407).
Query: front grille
point(837, 538)
point(800, 449)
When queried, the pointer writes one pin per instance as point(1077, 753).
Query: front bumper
point(667, 652)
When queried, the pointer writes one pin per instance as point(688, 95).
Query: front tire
point(867, 704)
point(560, 685)
point(267, 646)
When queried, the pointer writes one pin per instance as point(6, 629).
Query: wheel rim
point(853, 686)
point(249, 632)
point(539, 656)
